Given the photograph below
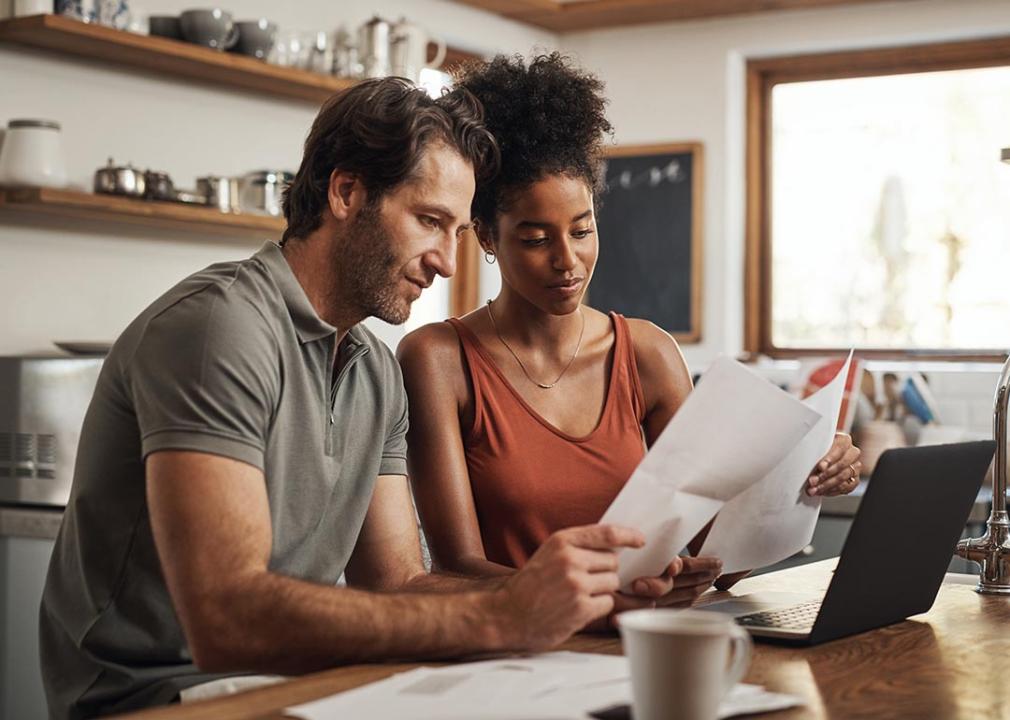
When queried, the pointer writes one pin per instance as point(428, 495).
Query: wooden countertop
point(951, 662)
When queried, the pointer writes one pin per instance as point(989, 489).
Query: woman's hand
point(838, 472)
point(683, 582)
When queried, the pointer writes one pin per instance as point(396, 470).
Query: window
point(878, 208)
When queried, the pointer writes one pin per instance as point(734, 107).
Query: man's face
point(394, 248)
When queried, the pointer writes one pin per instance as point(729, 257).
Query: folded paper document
point(558, 685)
point(775, 518)
point(732, 430)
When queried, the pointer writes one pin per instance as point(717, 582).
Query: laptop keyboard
point(799, 617)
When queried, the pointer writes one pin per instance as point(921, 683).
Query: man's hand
point(569, 582)
point(837, 473)
point(622, 603)
point(683, 582)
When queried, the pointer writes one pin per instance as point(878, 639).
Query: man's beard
point(368, 269)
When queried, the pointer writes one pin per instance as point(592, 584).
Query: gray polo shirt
point(232, 361)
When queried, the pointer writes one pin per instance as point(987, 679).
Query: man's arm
point(211, 525)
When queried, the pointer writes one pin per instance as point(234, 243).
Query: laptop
point(895, 556)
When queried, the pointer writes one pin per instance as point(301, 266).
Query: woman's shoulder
point(649, 337)
point(434, 341)
point(431, 358)
point(655, 348)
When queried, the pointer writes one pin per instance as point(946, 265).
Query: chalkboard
point(649, 224)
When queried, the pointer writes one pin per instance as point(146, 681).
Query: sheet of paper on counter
point(774, 518)
point(561, 685)
point(729, 433)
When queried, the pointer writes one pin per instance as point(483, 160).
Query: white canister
point(32, 7)
point(32, 155)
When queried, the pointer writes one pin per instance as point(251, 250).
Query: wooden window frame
point(464, 286)
point(762, 76)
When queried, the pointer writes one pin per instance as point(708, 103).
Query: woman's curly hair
point(547, 118)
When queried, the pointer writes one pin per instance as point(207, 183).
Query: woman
point(528, 415)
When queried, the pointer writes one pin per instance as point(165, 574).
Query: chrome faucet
point(992, 550)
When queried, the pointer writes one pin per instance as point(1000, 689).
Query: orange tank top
point(530, 479)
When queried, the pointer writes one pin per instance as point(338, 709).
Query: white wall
point(685, 81)
point(86, 281)
point(671, 82)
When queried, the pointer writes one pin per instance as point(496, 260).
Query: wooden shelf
point(132, 211)
point(170, 57)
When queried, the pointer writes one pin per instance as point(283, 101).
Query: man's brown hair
point(379, 130)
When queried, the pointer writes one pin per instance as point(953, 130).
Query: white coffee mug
point(683, 662)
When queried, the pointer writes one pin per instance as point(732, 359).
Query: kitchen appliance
point(42, 404)
point(373, 48)
point(409, 50)
point(261, 191)
point(120, 180)
point(32, 155)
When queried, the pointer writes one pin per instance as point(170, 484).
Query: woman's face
point(546, 243)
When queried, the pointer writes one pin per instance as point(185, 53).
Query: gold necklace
point(541, 385)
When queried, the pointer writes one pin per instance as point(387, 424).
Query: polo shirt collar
point(308, 324)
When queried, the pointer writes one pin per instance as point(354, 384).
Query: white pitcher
point(409, 46)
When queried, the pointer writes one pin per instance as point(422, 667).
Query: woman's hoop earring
point(489, 257)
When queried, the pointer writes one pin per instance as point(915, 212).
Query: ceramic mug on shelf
point(32, 155)
point(256, 38)
point(210, 28)
point(683, 662)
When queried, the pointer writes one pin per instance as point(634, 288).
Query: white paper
point(775, 518)
point(226, 686)
point(729, 433)
point(516, 687)
point(562, 685)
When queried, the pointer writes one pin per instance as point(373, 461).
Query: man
point(245, 447)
